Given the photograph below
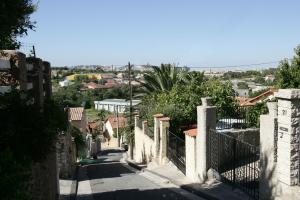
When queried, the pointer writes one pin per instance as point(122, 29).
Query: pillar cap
point(191, 132)
point(159, 115)
point(288, 94)
point(164, 119)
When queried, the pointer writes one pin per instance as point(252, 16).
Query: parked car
point(124, 146)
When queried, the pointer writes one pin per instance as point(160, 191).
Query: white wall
point(144, 146)
point(109, 128)
point(190, 157)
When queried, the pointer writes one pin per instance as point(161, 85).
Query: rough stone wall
point(66, 155)
point(29, 80)
point(44, 181)
point(288, 136)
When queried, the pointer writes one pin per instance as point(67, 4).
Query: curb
point(186, 187)
point(198, 193)
point(134, 165)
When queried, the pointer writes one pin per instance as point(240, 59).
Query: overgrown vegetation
point(76, 95)
point(27, 135)
point(180, 103)
point(289, 72)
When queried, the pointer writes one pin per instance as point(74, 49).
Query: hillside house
point(77, 117)
point(113, 123)
point(270, 94)
point(115, 105)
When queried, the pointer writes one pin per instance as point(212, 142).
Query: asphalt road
point(110, 179)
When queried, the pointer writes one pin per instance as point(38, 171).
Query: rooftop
point(76, 114)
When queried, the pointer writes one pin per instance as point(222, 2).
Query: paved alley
point(110, 178)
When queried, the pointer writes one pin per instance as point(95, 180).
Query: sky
point(195, 33)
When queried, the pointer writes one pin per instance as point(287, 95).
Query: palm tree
point(162, 78)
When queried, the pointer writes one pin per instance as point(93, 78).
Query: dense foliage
point(27, 135)
point(79, 141)
point(162, 78)
point(242, 85)
point(181, 102)
point(289, 72)
point(15, 21)
point(76, 95)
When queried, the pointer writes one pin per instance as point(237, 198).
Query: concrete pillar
point(268, 142)
point(163, 127)
point(288, 136)
point(206, 119)
point(190, 157)
point(157, 134)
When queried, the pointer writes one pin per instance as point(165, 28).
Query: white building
point(65, 83)
point(112, 105)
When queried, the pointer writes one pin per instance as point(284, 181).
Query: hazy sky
point(188, 32)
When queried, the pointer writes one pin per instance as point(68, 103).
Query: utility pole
point(118, 135)
point(33, 51)
point(130, 111)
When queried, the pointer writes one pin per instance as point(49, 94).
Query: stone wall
point(66, 155)
point(32, 77)
point(279, 149)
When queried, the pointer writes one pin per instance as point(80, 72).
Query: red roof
point(113, 120)
point(191, 132)
point(76, 114)
point(92, 85)
point(254, 100)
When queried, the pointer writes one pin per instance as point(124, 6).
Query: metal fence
point(140, 123)
point(236, 162)
point(234, 117)
point(150, 132)
point(176, 150)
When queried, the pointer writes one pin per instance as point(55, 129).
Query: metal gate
point(236, 162)
point(176, 150)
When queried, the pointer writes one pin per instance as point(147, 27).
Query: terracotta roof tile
point(76, 114)
point(113, 121)
point(191, 132)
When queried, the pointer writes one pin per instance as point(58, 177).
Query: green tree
point(242, 85)
point(15, 21)
point(162, 78)
point(180, 104)
point(289, 72)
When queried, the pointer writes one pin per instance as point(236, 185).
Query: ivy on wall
point(27, 135)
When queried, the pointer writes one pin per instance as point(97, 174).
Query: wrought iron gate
point(176, 150)
point(236, 162)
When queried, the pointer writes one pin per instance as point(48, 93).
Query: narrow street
point(110, 178)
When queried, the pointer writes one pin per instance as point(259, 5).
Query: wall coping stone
point(288, 94)
point(164, 119)
point(158, 115)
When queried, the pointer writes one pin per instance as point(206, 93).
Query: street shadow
point(105, 152)
point(136, 194)
point(107, 170)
